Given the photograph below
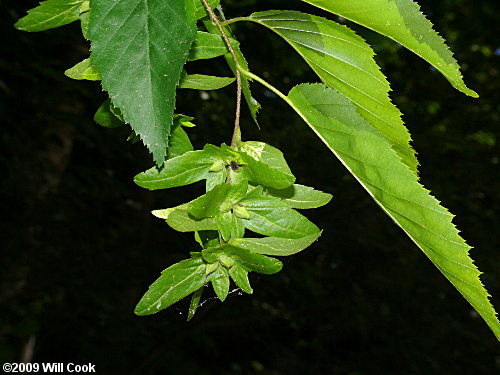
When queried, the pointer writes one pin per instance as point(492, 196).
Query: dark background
point(79, 247)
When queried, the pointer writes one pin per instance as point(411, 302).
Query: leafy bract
point(402, 21)
point(139, 48)
point(83, 70)
point(249, 260)
point(179, 142)
point(345, 62)
point(204, 82)
point(182, 170)
point(270, 216)
point(208, 46)
point(370, 159)
point(105, 116)
point(274, 245)
point(220, 282)
point(181, 221)
point(300, 196)
point(195, 302)
point(264, 165)
point(50, 14)
point(240, 277)
point(175, 283)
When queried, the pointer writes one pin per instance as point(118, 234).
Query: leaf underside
point(371, 160)
point(344, 61)
point(402, 21)
point(139, 47)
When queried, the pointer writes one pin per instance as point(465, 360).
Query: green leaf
point(105, 116)
point(274, 245)
point(240, 278)
point(179, 142)
point(200, 11)
point(220, 282)
point(215, 178)
point(300, 196)
point(345, 62)
point(395, 188)
point(253, 105)
point(208, 205)
point(229, 225)
point(204, 82)
point(250, 261)
point(208, 46)
point(85, 21)
point(195, 302)
point(50, 14)
point(264, 165)
point(83, 70)
point(179, 171)
point(140, 47)
point(220, 199)
point(175, 283)
point(270, 216)
point(181, 221)
point(402, 21)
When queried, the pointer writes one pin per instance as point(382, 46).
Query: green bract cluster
point(249, 187)
point(140, 52)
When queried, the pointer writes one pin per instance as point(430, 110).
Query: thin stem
point(237, 131)
point(263, 82)
point(237, 19)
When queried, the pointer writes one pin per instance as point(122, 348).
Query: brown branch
point(215, 20)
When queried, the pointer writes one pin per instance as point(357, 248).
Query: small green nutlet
point(217, 166)
point(212, 267)
point(226, 261)
point(241, 211)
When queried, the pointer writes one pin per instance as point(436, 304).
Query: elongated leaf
point(402, 21)
point(195, 302)
point(274, 245)
point(182, 170)
point(345, 62)
point(50, 14)
point(253, 105)
point(272, 217)
point(240, 277)
point(181, 221)
point(220, 282)
point(105, 116)
point(208, 46)
point(175, 283)
point(394, 187)
point(139, 47)
point(204, 82)
point(264, 165)
point(83, 70)
point(300, 196)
